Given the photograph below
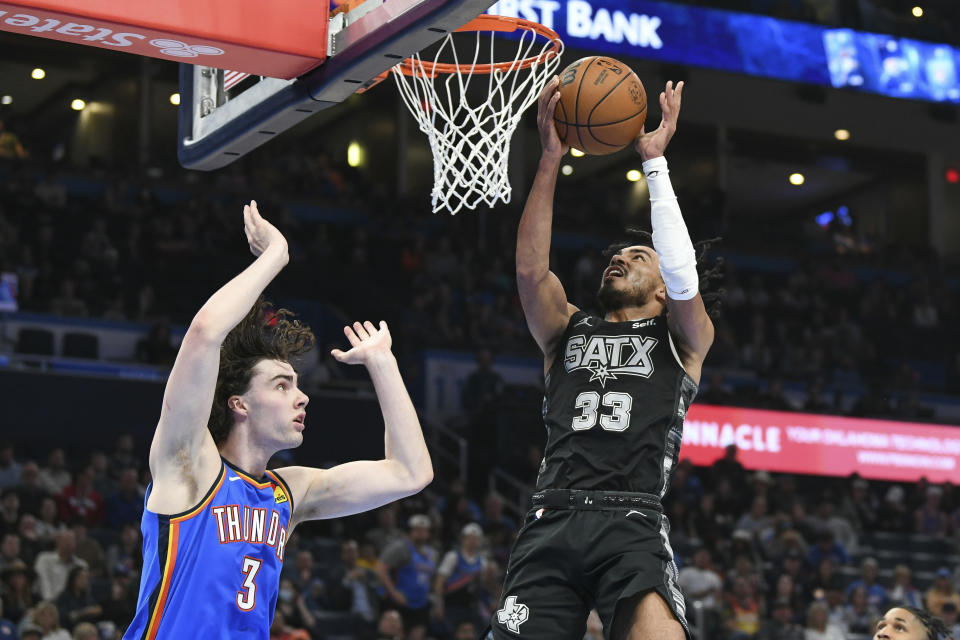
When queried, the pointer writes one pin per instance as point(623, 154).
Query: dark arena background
point(817, 479)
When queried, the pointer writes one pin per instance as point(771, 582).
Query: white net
point(471, 143)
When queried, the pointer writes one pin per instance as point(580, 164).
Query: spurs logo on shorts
point(513, 614)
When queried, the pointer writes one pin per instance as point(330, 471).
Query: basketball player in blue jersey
point(616, 391)
point(216, 520)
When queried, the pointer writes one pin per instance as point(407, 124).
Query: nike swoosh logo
point(235, 478)
point(629, 513)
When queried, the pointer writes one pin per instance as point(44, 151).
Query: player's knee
point(645, 616)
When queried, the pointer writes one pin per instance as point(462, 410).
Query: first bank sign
point(581, 20)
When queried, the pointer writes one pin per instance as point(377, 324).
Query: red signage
point(279, 39)
point(823, 445)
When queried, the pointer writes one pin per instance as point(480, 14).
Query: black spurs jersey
point(614, 404)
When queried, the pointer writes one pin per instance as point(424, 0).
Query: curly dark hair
point(264, 334)
point(935, 628)
point(709, 272)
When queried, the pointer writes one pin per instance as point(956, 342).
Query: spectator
point(827, 578)
point(456, 587)
point(280, 630)
point(781, 626)
point(903, 591)
point(466, 630)
point(876, 594)
point(125, 552)
point(9, 550)
point(10, 469)
point(10, 145)
point(842, 531)
point(17, 593)
point(860, 615)
point(85, 631)
point(48, 525)
point(483, 387)
point(729, 468)
point(296, 615)
point(390, 626)
point(756, 522)
point(827, 547)
point(90, 551)
point(53, 567)
point(859, 507)
point(701, 584)
point(949, 616)
point(818, 628)
point(494, 519)
point(121, 603)
point(30, 542)
point(76, 602)
point(156, 348)
point(941, 591)
point(717, 391)
point(406, 570)
point(103, 483)
point(46, 616)
point(9, 511)
point(125, 505)
point(929, 520)
point(54, 477)
point(386, 531)
point(893, 515)
point(123, 456)
point(742, 611)
point(80, 503)
point(353, 588)
point(31, 493)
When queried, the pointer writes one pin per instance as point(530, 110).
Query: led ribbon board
point(751, 44)
point(823, 445)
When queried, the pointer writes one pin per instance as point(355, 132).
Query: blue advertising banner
point(751, 44)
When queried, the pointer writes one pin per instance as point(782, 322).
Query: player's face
point(276, 407)
point(631, 279)
point(900, 624)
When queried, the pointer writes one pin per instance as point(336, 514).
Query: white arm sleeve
point(678, 260)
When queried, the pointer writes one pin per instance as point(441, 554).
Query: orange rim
point(487, 22)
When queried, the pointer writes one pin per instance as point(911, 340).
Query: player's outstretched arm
point(183, 457)
point(359, 486)
point(687, 316)
point(541, 294)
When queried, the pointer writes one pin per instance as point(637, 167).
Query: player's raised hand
point(261, 235)
point(653, 144)
point(546, 105)
point(366, 341)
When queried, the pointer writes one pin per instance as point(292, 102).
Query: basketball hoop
point(471, 144)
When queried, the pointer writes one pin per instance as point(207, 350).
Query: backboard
point(225, 114)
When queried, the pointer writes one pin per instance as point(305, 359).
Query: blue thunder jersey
point(214, 571)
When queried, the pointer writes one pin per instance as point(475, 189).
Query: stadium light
point(634, 175)
point(78, 104)
point(175, 99)
point(354, 154)
point(566, 169)
point(6, 100)
point(38, 74)
point(917, 12)
point(797, 179)
point(842, 134)
point(576, 153)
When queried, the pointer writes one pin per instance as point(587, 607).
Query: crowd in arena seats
point(761, 556)
point(91, 243)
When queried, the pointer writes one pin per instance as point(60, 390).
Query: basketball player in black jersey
point(617, 390)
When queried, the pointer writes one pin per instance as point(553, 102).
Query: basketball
point(602, 105)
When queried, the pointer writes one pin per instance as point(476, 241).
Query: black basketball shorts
point(567, 561)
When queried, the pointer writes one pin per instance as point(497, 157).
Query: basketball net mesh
point(471, 143)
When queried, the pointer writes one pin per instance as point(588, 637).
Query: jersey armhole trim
point(189, 513)
point(673, 350)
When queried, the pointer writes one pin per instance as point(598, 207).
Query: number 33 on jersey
point(617, 397)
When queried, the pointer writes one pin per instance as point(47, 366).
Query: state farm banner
point(822, 445)
point(280, 39)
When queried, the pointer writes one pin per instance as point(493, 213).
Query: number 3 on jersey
point(589, 401)
point(247, 596)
